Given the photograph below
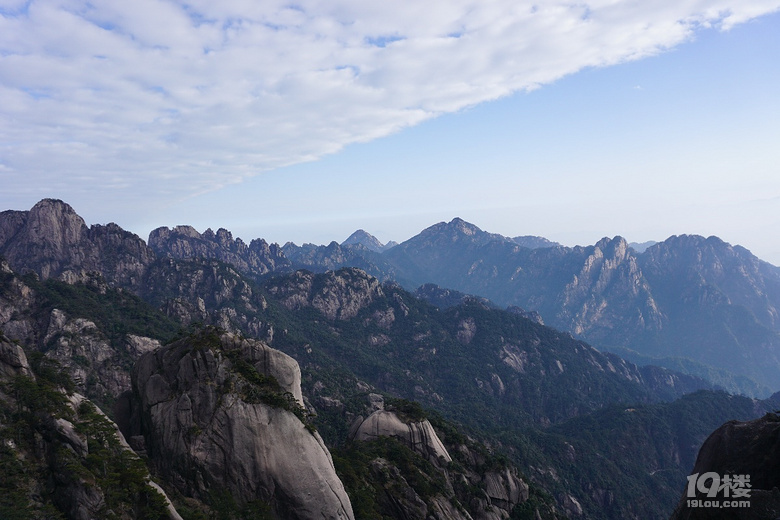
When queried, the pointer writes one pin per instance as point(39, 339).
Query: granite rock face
point(749, 448)
point(418, 435)
point(13, 360)
point(206, 291)
point(501, 488)
point(99, 367)
point(96, 367)
point(206, 428)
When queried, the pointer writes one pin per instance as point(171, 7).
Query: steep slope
point(597, 292)
point(95, 333)
point(563, 414)
point(608, 452)
point(466, 355)
point(91, 331)
point(722, 306)
point(62, 458)
point(686, 297)
point(638, 447)
point(398, 448)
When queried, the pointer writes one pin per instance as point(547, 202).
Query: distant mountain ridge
point(686, 297)
point(367, 240)
point(256, 259)
point(534, 242)
point(641, 247)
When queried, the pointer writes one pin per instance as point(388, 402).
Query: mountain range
point(690, 303)
point(433, 404)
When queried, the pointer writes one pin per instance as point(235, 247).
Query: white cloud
point(169, 99)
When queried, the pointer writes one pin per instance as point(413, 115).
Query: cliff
point(221, 412)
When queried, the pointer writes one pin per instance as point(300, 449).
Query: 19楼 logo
point(715, 486)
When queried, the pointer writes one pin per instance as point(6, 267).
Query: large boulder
point(749, 449)
point(222, 412)
point(418, 435)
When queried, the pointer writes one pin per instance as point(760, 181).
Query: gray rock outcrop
point(208, 425)
point(501, 487)
point(13, 360)
point(97, 367)
point(504, 489)
point(749, 448)
point(76, 441)
point(64, 440)
point(338, 294)
point(206, 291)
point(418, 435)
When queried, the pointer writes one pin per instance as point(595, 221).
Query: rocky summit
point(53, 241)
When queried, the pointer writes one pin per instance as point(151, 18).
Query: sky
point(304, 122)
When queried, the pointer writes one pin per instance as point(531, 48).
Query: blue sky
point(302, 124)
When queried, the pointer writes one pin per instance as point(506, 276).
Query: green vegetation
point(224, 507)
point(118, 472)
point(368, 471)
point(563, 416)
point(23, 417)
point(116, 312)
point(219, 505)
point(266, 389)
point(539, 503)
point(28, 418)
point(616, 463)
point(407, 411)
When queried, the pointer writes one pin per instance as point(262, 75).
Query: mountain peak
point(363, 238)
point(464, 227)
point(57, 204)
point(56, 213)
point(455, 227)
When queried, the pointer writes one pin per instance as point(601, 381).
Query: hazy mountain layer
point(687, 297)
